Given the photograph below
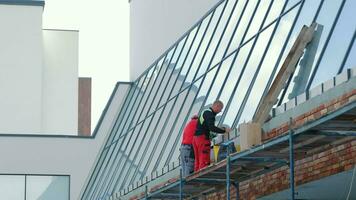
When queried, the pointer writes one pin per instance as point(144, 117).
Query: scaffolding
point(280, 151)
point(298, 141)
point(294, 143)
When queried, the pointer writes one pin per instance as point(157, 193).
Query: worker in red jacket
point(186, 149)
point(203, 135)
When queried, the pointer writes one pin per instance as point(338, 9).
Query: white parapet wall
point(156, 24)
point(60, 82)
point(38, 73)
point(21, 56)
point(60, 155)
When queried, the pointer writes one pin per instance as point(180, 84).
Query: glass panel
point(95, 176)
point(187, 49)
point(258, 18)
point(47, 187)
point(137, 153)
point(220, 28)
point(214, 81)
point(332, 59)
point(12, 187)
point(252, 71)
point(181, 108)
point(266, 67)
point(176, 70)
point(120, 117)
point(351, 60)
point(151, 138)
point(236, 85)
point(241, 29)
point(326, 18)
point(157, 93)
point(197, 49)
point(154, 135)
point(275, 11)
point(305, 18)
point(130, 107)
point(143, 102)
point(182, 64)
point(156, 73)
point(169, 77)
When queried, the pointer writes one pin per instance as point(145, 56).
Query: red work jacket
point(189, 131)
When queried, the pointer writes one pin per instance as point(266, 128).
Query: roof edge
point(23, 2)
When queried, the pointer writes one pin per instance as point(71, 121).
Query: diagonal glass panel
point(337, 48)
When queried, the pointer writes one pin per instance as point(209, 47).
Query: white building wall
point(156, 24)
point(60, 82)
point(59, 155)
point(20, 68)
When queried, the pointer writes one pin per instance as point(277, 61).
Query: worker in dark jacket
point(186, 149)
point(205, 131)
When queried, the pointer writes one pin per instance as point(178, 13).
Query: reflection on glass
point(326, 18)
point(336, 49)
point(47, 187)
point(12, 187)
point(241, 29)
point(351, 59)
point(219, 24)
point(197, 49)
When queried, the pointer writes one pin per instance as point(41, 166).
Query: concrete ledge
point(310, 104)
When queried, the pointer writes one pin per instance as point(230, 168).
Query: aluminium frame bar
point(137, 89)
point(137, 135)
point(260, 31)
point(118, 147)
point(341, 68)
point(101, 157)
point(179, 56)
point(190, 65)
point(144, 136)
point(196, 73)
point(291, 160)
point(213, 67)
point(164, 105)
point(311, 80)
point(170, 155)
point(200, 86)
point(155, 166)
point(249, 90)
point(279, 57)
point(243, 67)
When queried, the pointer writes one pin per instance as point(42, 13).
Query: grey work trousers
point(187, 159)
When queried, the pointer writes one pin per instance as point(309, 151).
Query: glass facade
point(34, 187)
point(232, 54)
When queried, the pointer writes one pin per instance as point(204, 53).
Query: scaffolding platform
point(332, 122)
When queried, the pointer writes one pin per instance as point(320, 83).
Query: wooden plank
point(288, 67)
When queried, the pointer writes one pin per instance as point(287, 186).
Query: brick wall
point(84, 106)
point(313, 114)
point(327, 163)
point(315, 167)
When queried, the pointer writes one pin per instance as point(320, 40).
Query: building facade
point(232, 53)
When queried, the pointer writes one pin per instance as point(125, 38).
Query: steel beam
point(263, 159)
point(228, 177)
point(180, 184)
point(291, 160)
